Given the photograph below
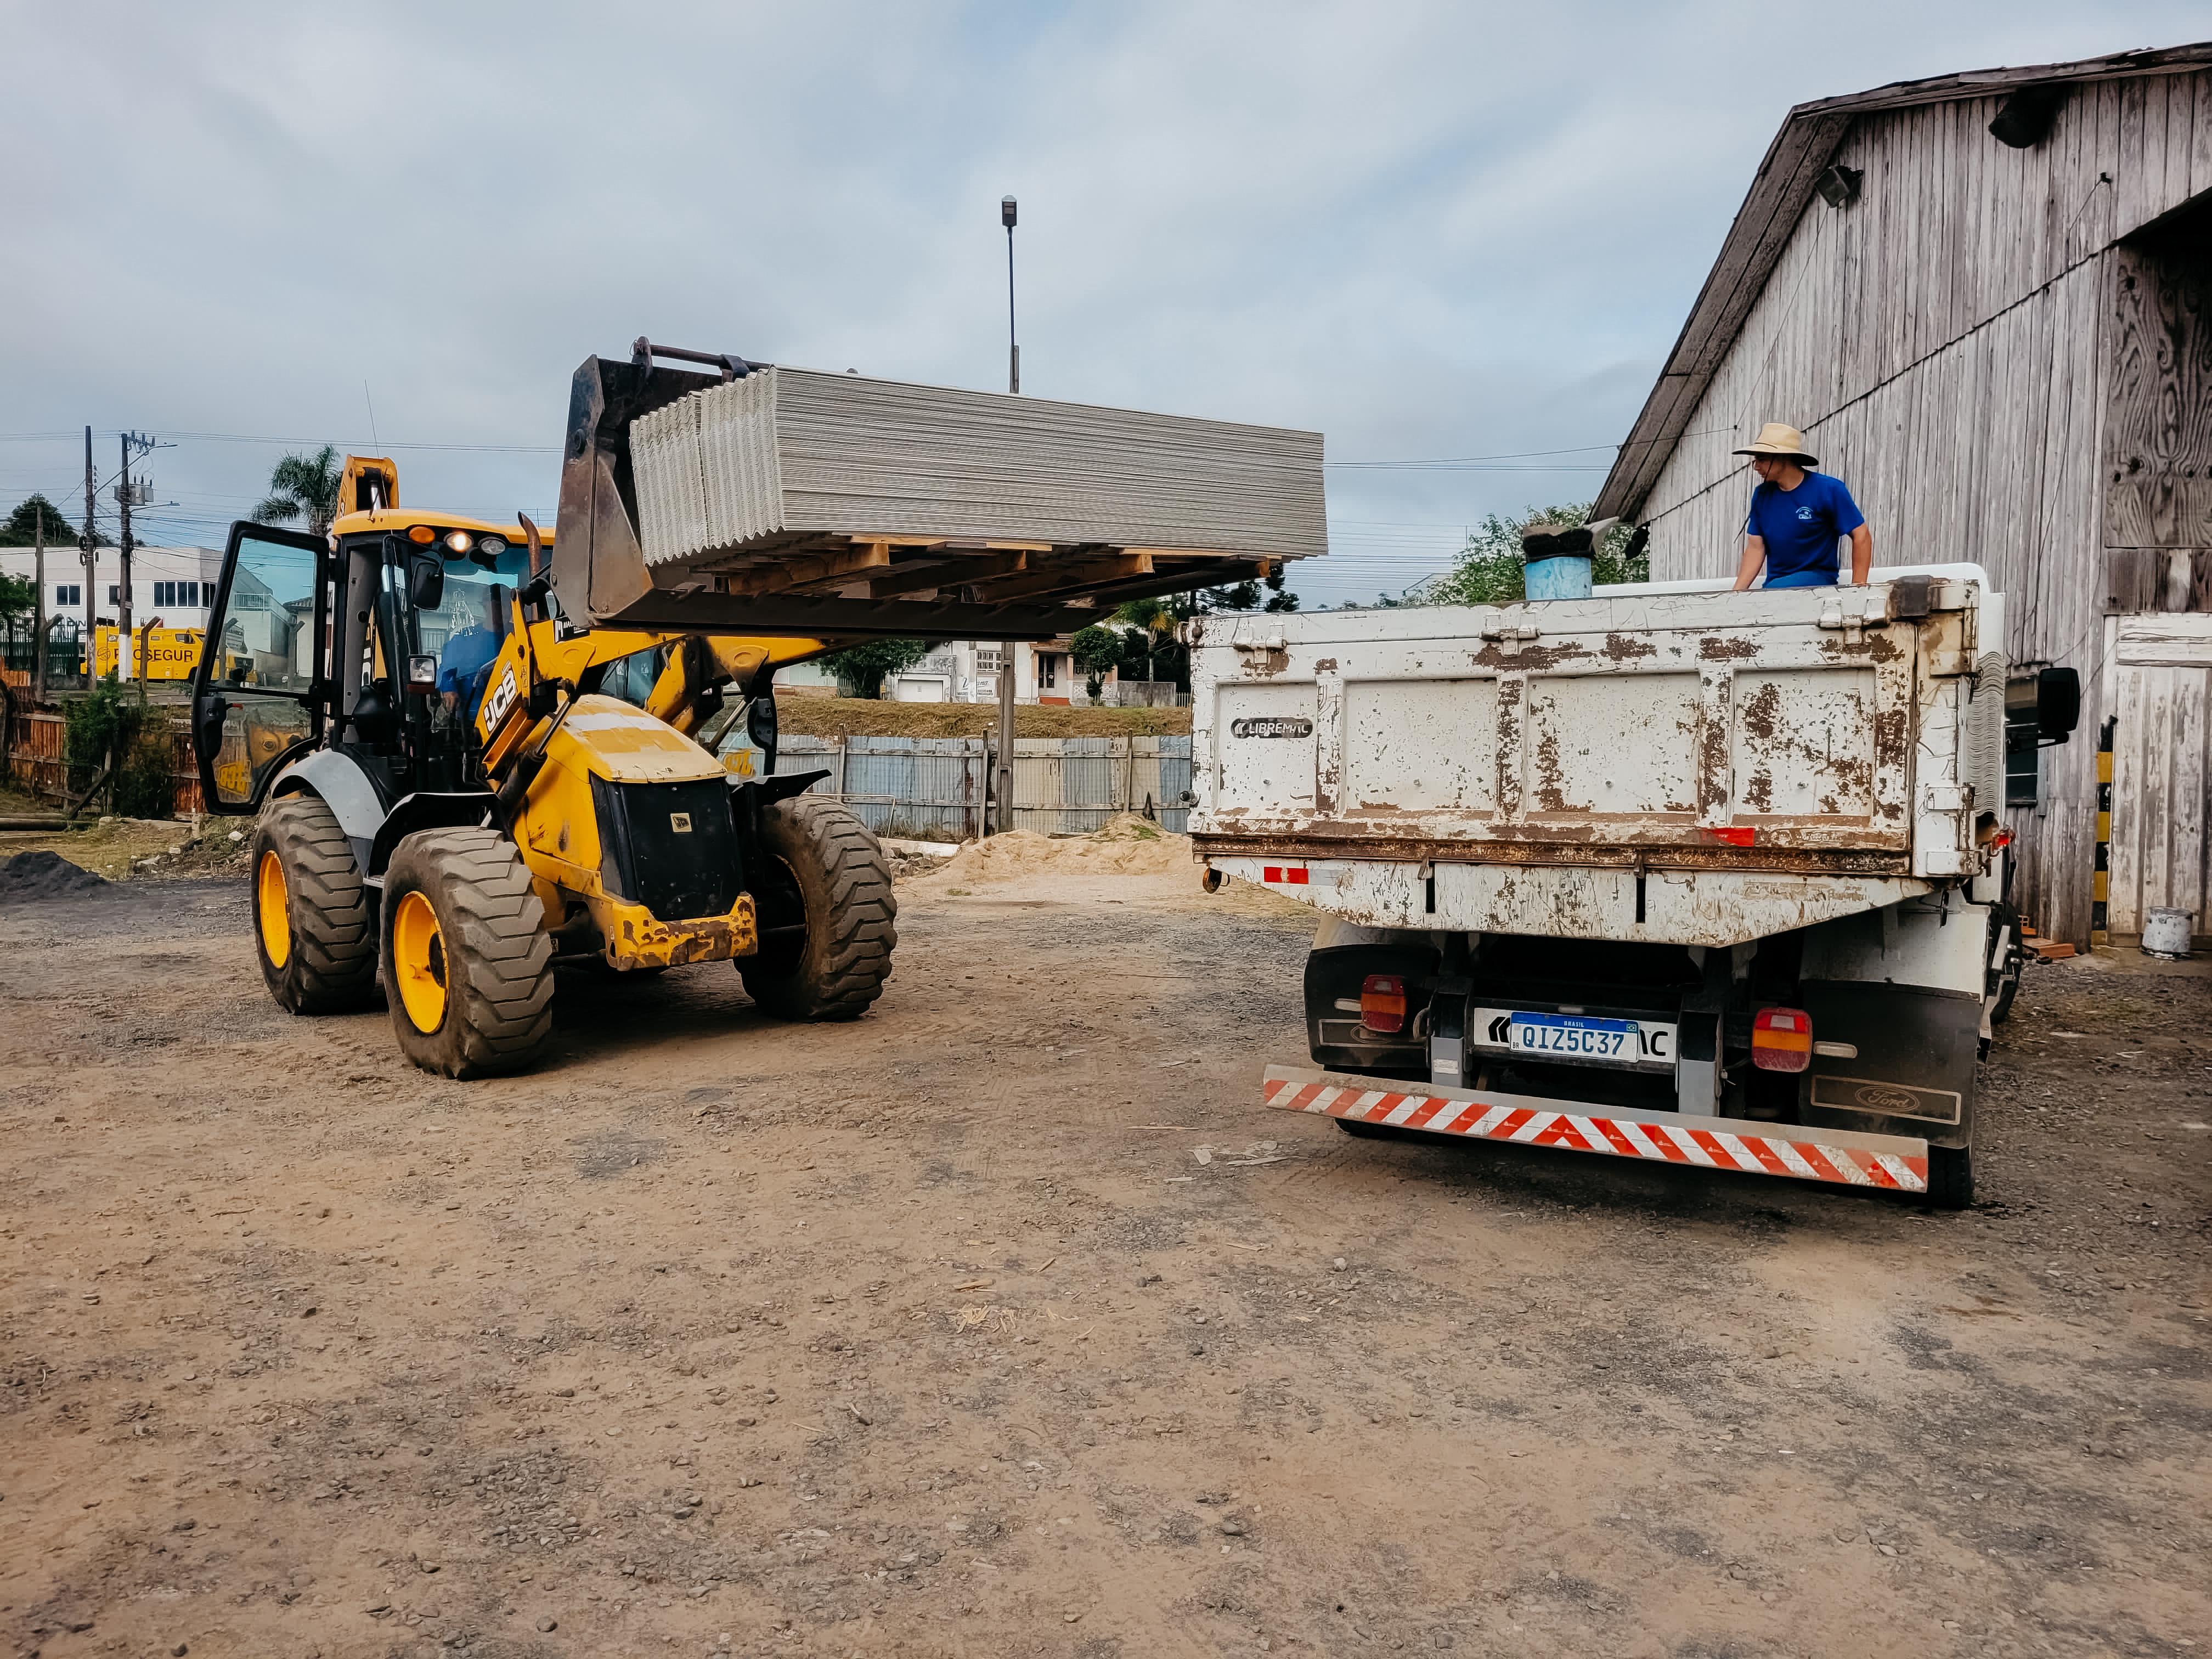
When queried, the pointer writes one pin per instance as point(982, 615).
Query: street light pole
point(1013, 350)
point(1006, 647)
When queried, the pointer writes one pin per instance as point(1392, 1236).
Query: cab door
point(259, 693)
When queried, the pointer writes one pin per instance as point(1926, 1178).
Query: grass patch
point(864, 717)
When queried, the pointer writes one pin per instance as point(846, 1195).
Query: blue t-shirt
point(466, 664)
point(1801, 528)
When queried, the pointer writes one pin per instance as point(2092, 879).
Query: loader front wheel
point(468, 963)
point(313, 925)
point(824, 907)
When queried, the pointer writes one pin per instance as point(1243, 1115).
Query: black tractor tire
point(826, 882)
point(1951, 1177)
point(314, 921)
point(467, 958)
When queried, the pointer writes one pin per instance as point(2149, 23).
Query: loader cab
point(376, 640)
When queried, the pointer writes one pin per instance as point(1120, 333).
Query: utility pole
point(123, 635)
point(1006, 647)
point(88, 541)
point(128, 494)
point(38, 614)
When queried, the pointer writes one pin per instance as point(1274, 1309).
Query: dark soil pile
point(43, 875)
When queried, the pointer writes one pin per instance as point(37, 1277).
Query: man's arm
point(1754, 556)
point(1862, 555)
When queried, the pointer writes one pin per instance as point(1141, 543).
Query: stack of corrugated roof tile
point(785, 455)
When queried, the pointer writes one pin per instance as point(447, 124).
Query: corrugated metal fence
point(1062, 786)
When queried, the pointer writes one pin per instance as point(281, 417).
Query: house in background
point(1987, 300)
point(176, 584)
point(967, 671)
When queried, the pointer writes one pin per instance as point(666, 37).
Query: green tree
point(23, 526)
point(303, 487)
point(19, 604)
point(865, 666)
point(1488, 569)
point(1097, 652)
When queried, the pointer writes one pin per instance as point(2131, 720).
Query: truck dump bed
point(1672, 763)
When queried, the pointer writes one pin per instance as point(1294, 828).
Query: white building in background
point(176, 584)
point(967, 671)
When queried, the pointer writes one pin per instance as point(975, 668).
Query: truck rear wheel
point(825, 881)
point(1950, 1177)
point(468, 963)
point(313, 925)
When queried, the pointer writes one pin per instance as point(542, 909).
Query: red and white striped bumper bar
point(1895, 1163)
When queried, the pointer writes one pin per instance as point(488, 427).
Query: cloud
point(1427, 230)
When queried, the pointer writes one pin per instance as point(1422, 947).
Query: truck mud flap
point(1842, 1157)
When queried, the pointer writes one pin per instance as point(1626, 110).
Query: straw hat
point(1783, 442)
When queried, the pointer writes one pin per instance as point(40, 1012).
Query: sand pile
point(43, 875)
point(1127, 846)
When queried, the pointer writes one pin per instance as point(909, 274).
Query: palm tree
point(303, 487)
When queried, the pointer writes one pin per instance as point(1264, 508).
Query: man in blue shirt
point(1797, 516)
point(466, 663)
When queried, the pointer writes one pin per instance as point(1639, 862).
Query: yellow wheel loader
point(459, 789)
point(473, 749)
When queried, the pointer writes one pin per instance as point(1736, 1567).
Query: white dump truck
point(1669, 873)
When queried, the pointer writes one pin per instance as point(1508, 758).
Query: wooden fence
point(35, 762)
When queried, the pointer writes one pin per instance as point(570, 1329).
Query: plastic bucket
point(2165, 933)
point(1562, 576)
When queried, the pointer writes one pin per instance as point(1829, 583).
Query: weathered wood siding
point(1944, 343)
point(2161, 770)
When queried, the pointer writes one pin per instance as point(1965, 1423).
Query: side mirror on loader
point(207, 725)
point(426, 583)
point(760, 723)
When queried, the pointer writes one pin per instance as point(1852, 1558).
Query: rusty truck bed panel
point(1817, 734)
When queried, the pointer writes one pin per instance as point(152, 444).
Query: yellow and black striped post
point(2100, 883)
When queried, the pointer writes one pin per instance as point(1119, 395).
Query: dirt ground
point(933, 1335)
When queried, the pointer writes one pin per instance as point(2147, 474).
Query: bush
point(109, 724)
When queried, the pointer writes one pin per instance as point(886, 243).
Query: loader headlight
point(459, 541)
point(490, 547)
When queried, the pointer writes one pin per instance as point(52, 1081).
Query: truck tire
point(314, 921)
point(468, 963)
point(2005, 979)
point(825, 877)
point(1951, 1177)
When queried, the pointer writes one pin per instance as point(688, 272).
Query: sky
point(1429, 232)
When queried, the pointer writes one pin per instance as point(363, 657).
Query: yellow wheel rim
point(273, 904)
point(418, 959)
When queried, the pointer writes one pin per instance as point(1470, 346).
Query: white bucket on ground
point(2166, 933)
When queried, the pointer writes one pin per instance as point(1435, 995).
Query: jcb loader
point(472, 748)
point(461, 789)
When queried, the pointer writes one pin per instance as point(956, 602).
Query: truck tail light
point(1382, 1003)
point(1782, 1040)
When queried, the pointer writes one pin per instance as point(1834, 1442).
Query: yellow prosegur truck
point(169, 653)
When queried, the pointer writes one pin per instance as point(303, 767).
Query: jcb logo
point(498, 701)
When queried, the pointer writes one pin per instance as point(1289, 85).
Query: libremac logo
point(1271, 726)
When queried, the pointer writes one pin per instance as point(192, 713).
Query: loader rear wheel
point(826, 881)
point(468, 963)
point(313, 925)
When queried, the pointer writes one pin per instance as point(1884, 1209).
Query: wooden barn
point(1987, 300)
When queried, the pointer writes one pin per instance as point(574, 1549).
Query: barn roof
point(1779, 192)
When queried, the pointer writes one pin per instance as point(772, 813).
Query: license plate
point(1575, 1036)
